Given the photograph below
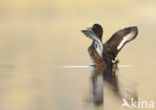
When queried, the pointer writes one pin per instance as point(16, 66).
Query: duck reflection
point(97, 85)
point(120, 87)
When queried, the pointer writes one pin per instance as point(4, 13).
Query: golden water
point(37, 37)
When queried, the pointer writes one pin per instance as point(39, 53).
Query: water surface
point(37, 38)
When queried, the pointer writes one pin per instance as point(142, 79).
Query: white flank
point(90, 57)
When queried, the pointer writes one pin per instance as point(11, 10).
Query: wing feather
point(118, 40)
point(93, 36)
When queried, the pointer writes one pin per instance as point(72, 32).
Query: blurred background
point(36, 36)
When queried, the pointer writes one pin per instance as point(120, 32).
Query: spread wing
point(118, 40)
point(93, 36)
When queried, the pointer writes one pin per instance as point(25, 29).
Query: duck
point(104, 54)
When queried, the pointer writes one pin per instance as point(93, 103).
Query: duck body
point(104, 55)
